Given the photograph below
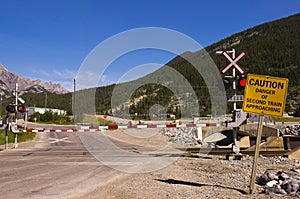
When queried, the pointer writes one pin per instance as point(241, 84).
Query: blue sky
point(49, 39)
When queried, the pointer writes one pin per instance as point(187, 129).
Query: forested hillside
point(271, 49)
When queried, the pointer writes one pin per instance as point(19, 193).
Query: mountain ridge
point(8, 82)
point(271, 49)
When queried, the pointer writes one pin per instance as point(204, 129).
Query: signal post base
point(234, 156)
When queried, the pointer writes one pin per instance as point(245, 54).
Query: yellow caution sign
point(265, 95)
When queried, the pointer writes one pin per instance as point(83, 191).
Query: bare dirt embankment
point(198, 177)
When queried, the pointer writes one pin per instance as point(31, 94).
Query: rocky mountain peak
point(8, 81)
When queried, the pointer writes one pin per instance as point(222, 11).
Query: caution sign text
point(265, 95)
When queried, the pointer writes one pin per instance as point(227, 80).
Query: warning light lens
point(10, 108)
point(242, 82)
point(21, 108)
point(227, 83)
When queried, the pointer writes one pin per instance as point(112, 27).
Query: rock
point(272, 183)
point(272, 176)
point(183, 136)
point(278, 189)
point(295, 185)
point(283, 176)
point(295, 170)
point(290, 130)
point(280, 183)
point(266, 177)
point(287, 186)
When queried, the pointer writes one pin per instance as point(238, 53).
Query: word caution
point(265, 95)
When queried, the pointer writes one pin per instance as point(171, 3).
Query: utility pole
point(74, 98)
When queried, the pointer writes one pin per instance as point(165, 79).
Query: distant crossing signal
point(21, 109)
point(10, 108)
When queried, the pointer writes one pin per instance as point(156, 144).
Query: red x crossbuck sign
point(233, 63)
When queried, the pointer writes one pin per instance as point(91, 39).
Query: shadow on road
point(173, 181)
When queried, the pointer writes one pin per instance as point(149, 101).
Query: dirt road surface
point(125, 164)
point(187, 177)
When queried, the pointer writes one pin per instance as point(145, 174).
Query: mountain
point(271, 49)
point(8, 82)
point(4, 90)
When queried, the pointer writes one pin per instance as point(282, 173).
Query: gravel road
point(189, 177)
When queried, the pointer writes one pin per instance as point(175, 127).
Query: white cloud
point(40, 72)
point(64, 74)
point(69, 85)
point(105, 80)
point(65, 78)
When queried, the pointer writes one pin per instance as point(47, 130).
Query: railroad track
point(220, 151)
point(289, 143)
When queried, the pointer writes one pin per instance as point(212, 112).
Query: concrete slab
point(244, 142)
point(214, 137)
point(295, 154)
point(251, 130)
point(271, 144)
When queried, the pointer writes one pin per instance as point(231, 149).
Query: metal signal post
point(233, 74)
point(235, 98)
point(15, 109)
point(16, 118)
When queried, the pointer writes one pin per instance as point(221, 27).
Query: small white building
point(32, 110)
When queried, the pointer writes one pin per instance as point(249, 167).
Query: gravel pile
point(290, 130)
point(182, 136)
point(281, 182)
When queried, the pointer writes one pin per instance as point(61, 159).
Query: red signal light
point(242, 82)
point(21, 108)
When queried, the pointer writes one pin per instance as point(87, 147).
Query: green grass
point(22, 137)
point(60, 122)
point(286, 119)
point(104, 122)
